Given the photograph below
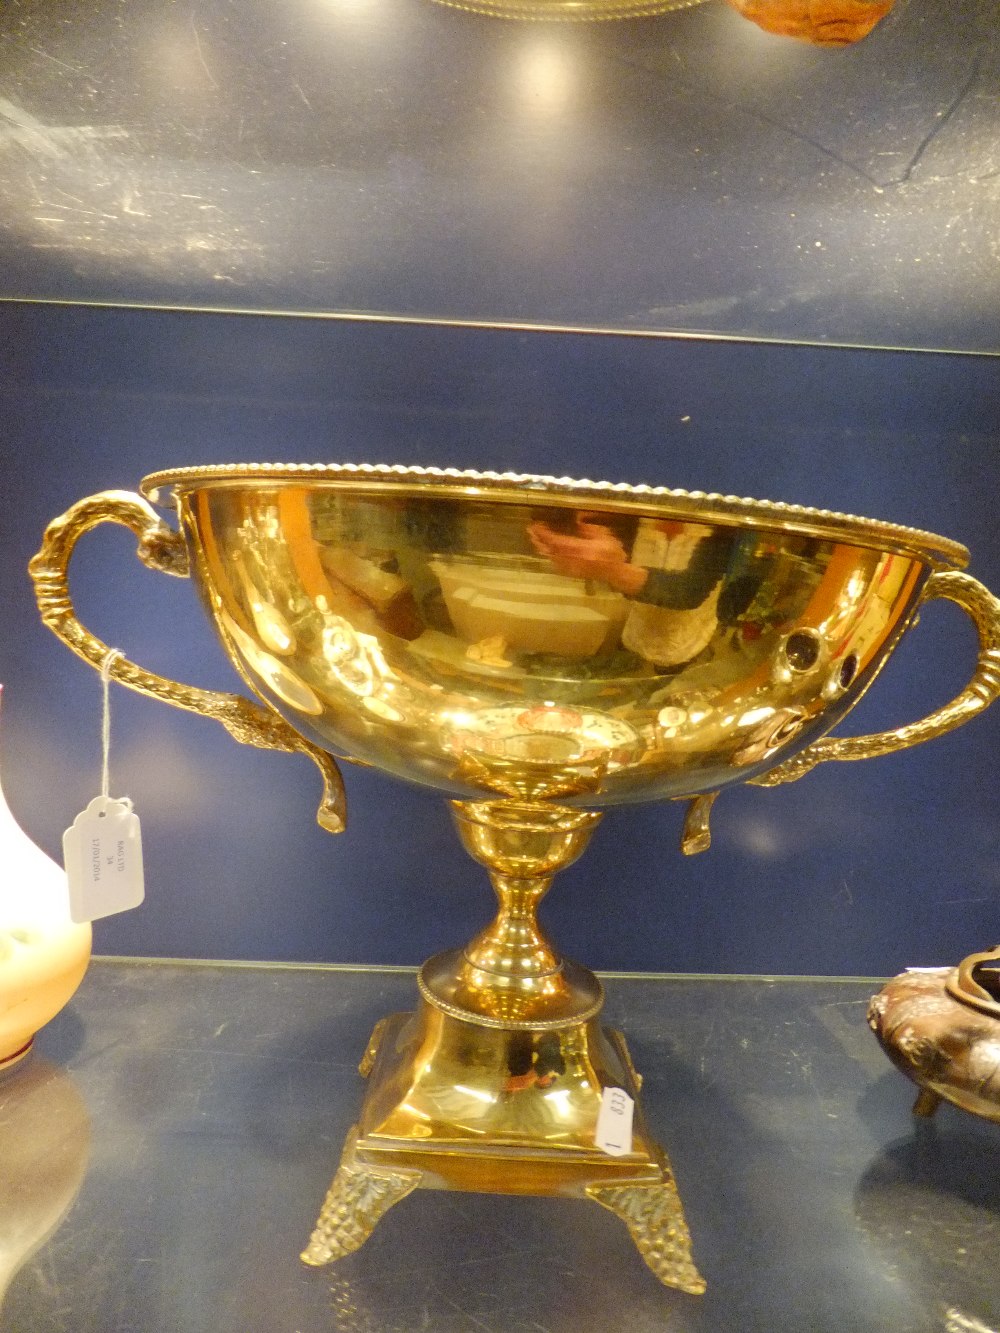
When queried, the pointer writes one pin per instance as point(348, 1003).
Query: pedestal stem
point(513, 944)
point(510, 973)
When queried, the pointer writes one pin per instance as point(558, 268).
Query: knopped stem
point(510, 972)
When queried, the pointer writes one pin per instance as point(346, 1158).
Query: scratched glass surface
point(685, 172)
point(165, 1153)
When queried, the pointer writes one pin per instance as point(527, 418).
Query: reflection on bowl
point(410, 599)
point(281, 678)
point(532, 611)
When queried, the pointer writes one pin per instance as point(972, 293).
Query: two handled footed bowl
point(535, 649)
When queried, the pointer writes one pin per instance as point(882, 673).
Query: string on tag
point(102, 848)
point(110, 657)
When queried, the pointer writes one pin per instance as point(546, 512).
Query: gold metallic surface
point(569, 11)
point(510, 486)
point(655, 1219)
point(367, 1062)
point(697, 835)
point(353, 1205)
point(537, 649)
point(509, 975)
point(452, 628)
point(161, 548)
point(454, 1104)
point(981, 691)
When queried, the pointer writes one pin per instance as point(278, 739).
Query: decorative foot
point(358, 1198)
point(697, 835)
point(927, 1103)
point(655, 1219)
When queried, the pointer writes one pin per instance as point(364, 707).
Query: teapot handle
point(164, 549)
point(984, 611)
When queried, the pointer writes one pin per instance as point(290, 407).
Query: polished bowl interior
point(533, 638)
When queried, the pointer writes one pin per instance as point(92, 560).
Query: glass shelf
point(192, 1114)
point(679, 174)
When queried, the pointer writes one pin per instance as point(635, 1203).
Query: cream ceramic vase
point(43, 954)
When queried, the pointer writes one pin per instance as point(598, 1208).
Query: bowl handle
point(984, 611)
point(164, 549)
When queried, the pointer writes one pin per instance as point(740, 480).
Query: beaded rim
point(585, 11)
point(517, 487)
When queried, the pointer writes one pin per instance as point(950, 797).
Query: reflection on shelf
point(44, 1151)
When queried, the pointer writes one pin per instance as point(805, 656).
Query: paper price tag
point(614, 1122)
point(102, 853)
